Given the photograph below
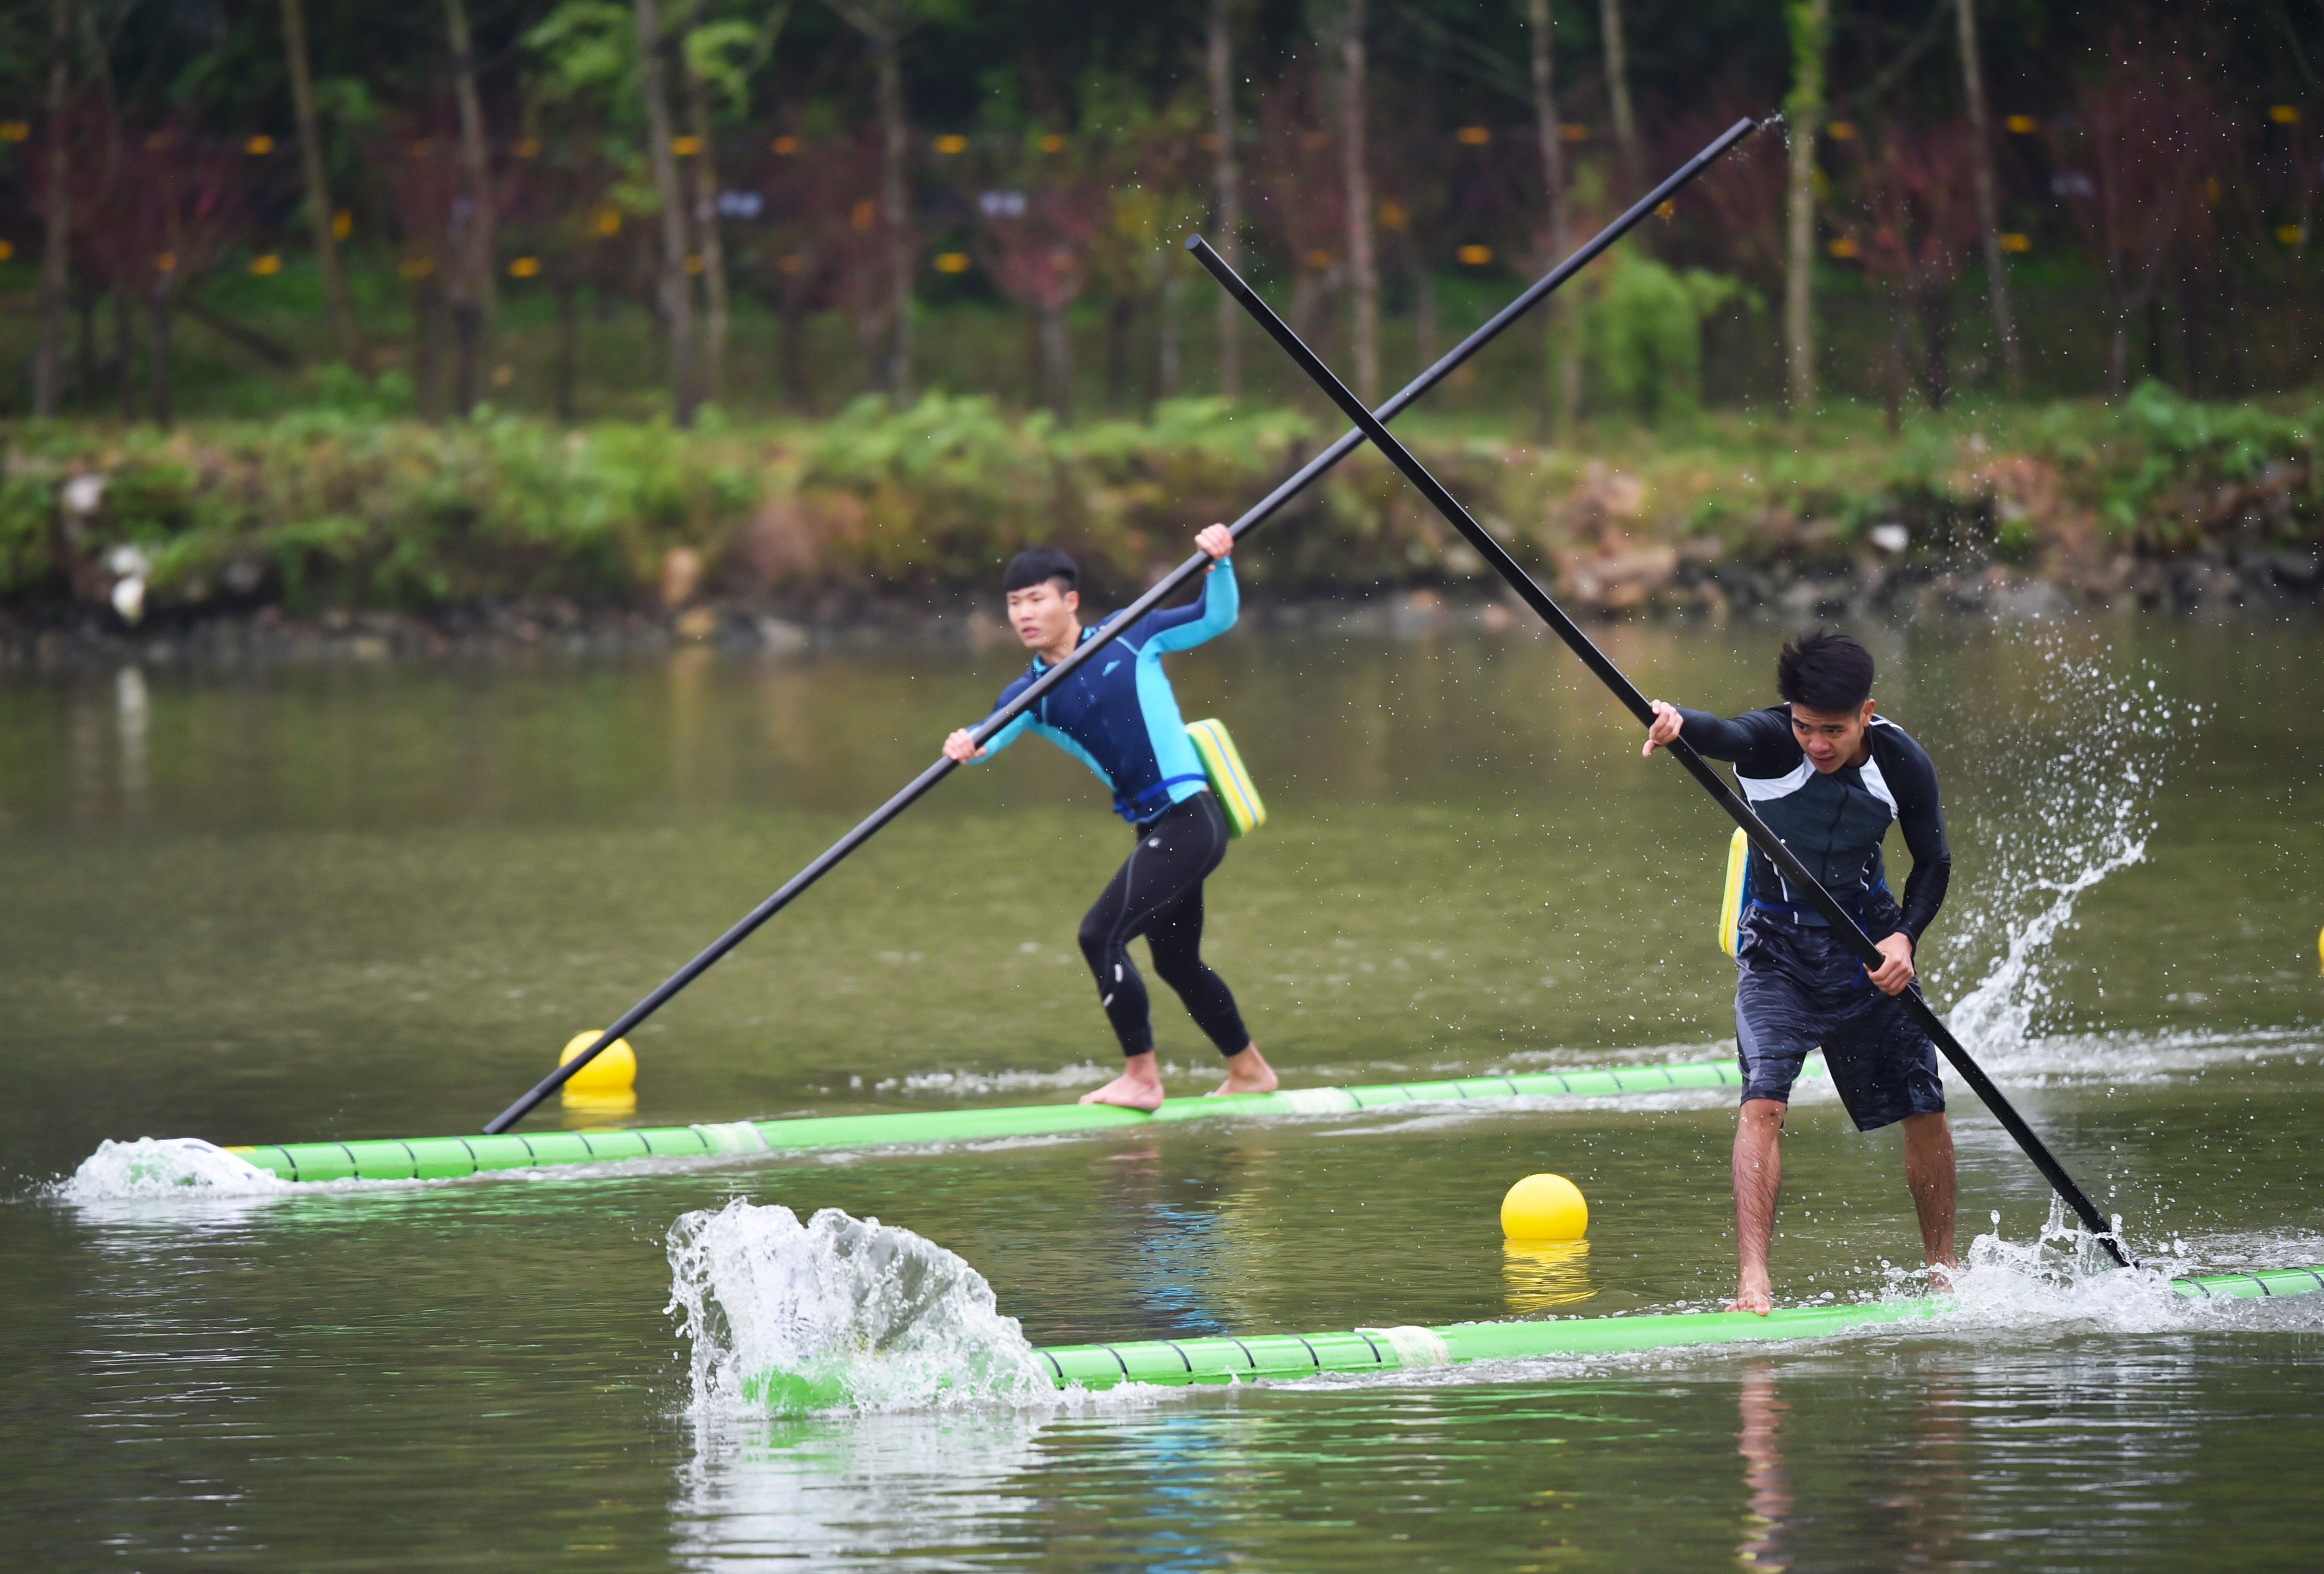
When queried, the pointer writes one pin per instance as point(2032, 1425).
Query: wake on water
point(846, 1316)
point(153, 1169)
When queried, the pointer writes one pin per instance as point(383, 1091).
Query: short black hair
point(1824, 671)
point(1035, 564)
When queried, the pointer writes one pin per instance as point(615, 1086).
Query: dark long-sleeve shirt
point(1835, 822)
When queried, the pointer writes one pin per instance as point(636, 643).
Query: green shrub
point(1644, 328)
point(337, 506)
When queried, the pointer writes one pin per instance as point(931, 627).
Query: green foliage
point(344, 504)
point(724, 53)
point(341, 391)
point(951, 488)
point(27, 505)
point(2171, 444)
point(588, 49)
point(1644, 332)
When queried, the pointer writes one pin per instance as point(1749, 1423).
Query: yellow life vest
point(1230, 782)
point(1731, 900)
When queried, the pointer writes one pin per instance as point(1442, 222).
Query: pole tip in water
point(614, 1072)
point(1544, 1208)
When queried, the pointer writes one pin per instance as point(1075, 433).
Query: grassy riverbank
point(342, 508)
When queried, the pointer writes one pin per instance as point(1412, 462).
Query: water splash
point(165, 1166)
point(2062, 1282)
point(2063, 1258)
point(838, 1314)
point(2085, 771)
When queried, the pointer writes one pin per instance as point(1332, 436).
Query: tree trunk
point(1561, 358)
point(2232, 336)
point(798, 387)
point(1363, 268)
point(157, 360)
point(869, 334)
point(345, 330)
point(49, 358)
point(2193, 365)
point(1988, 203)
point(675, 293)
point(1058, 362)
point(1120, 315)
point(1618, 94)
point(428, 341)
point(1171, 344)
point(1936, 305)
point(894, 140)
point(705, 229)
point(2118, 346)
point(1811, 30)
point(2295, 364)
point(467, 348)
point(1227, 186)
point(1424, 317)
point(1306, 298)
point(124, 352)
point(473, 289)
point(85, 365)
point(568, 349)
point(1892, 368)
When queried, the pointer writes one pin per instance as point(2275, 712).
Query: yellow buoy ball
point(1544, 1208)
point(614, 1072)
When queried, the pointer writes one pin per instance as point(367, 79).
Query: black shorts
point(1799, 988)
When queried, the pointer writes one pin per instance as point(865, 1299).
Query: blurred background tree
point(1974, 198)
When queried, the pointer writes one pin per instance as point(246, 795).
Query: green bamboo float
point(448, 1158)
point(1280, 1356)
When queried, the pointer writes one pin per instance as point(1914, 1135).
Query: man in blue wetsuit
point(1116, 714)
point(1829, 777)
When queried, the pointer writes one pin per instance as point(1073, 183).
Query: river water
point(374, 900)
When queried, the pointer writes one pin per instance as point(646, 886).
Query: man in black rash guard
point(1117, 715)
point(1829, 776)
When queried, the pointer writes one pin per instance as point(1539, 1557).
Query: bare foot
point(1944, 1278)
point(1247, 1072)
point(1139, 1085)
point(1754, 1296)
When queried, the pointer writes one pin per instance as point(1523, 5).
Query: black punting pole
point(1265, 507)
point(1795, 872)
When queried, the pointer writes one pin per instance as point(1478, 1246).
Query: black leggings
point(1158, 893)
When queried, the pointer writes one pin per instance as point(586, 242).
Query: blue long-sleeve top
point(1116, 713)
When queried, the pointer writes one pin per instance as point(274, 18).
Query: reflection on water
point(591, 1111)
point(1766, 1522)
point(1542, 1274)
point(133, 713)
point(906, 1491)
point(1908, 1496)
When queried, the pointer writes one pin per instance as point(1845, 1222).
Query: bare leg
point(1929, 1171)
point(1758, 1176)
point(1247, 1072)
point(1139, 1085)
